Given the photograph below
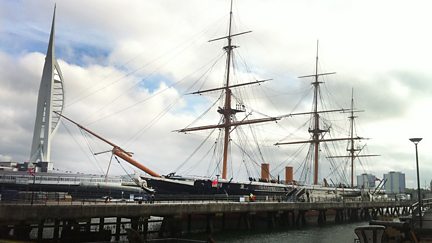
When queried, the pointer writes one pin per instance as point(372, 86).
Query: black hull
point(170, 186)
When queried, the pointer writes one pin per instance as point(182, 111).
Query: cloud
point(127, 63)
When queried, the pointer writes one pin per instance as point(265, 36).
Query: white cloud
point(116, 54)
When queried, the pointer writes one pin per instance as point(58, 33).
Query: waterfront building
point(366, 181)
point(395, 182)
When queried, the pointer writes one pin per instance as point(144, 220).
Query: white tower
point(50, 100)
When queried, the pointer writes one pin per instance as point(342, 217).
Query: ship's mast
point(315, 131)
point(227, 111)
point(353, 152)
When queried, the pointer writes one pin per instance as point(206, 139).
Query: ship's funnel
point(265, 172)
point(288, 175)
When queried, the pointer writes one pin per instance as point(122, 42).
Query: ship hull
point(208, 187)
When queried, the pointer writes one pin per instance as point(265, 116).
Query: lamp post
point(416, 141)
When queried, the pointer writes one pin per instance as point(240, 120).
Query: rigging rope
point(147, 98)
point(83, 133)
point(340, 173)
point(199, 160)
point(257, 144)
point(151, 122)
point(193, 153)
point(291, 158)
point(217, 154)
point(80, 146)
point(185, 45)
point(205, 112)
point(127, 173)
point(250, 157)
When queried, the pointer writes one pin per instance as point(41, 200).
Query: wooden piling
point(40, 230)
point(322, 217)
point(117, 228)
point(101, 223)
point(56, 232)
point(210, 226)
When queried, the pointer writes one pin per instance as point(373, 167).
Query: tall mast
point(315, 131)
point(227, 111)
point(353, 152)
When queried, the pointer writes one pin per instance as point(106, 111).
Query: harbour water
point(331, 233)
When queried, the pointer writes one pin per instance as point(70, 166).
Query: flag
point(214, 183)
point(31, 171)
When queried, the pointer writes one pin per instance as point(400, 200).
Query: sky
point(128, 64)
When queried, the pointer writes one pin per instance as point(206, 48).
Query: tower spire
point(50, 51)
point(50, 100)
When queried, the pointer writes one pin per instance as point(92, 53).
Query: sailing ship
point(229, 123)
point(175, 184)
point(222, 184)
point(267, 185)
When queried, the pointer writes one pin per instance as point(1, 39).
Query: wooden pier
point(101, 221)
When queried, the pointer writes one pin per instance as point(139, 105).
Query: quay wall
point(34, 213)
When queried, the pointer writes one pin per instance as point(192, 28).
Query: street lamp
point(416, 141)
